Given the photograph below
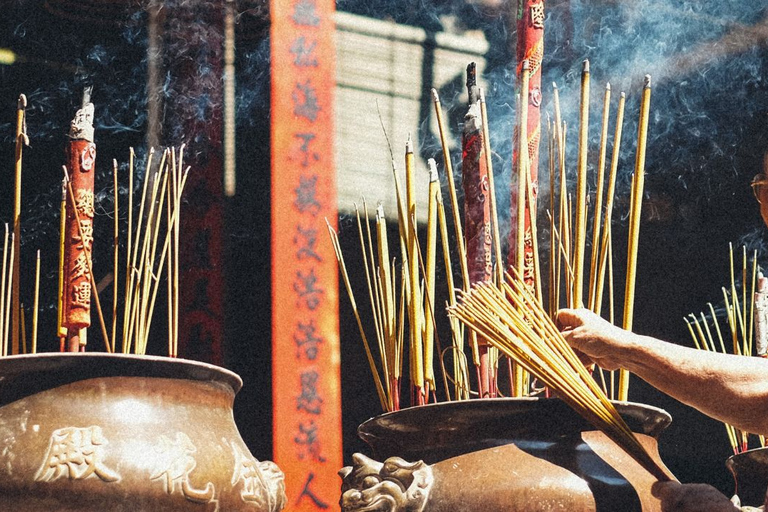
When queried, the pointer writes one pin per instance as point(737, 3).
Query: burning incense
point(638, 182)
point(391, 358)
point(581, 191)
point(21, 141)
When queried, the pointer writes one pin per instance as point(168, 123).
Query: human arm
point(733, 389)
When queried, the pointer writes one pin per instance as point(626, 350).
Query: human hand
point(677, 497)
point(590, 334)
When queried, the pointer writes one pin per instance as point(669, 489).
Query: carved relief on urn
point(96, 432)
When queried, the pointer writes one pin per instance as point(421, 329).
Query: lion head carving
point(392, 486)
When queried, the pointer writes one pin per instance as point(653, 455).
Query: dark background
point(707, 140)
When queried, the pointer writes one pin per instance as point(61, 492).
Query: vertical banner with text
point(305, 323)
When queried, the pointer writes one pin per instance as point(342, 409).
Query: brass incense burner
point(104, 432)
point(495, 455)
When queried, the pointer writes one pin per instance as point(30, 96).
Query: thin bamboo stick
point(580, 235)
point(115, 255)
point(610, 193)
point(132, 250)
point(634, 219)
point(181, 179)
point(522, 159)
point(36, 303)
point(717, 327)
point(491, 187)
point(460, 376)
point(8, 303)
point(415, 320)
point(163, 254)
point(522, 172)
point(21, 141)
point(599, 198)
point(4, 306)
point(429, 276)
point(61, 331)
point(22, 329)
point(751, 329)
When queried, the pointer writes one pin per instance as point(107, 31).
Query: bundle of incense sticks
point(152, 250)
point(514, 321)
point(746, 311)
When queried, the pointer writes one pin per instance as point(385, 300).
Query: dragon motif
point(392, 486)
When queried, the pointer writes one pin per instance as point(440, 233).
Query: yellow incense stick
point(61, 331)
point(429, 277)
point(21, 141)
point(599, 198)
point(634, 220)
point(415, 321)
point(610, 193)
point(36, 303)
point(491, 187)
point(581, 191)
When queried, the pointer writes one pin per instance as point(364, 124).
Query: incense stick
point(115, 256)
point(610, 193)
point(415, 321)
point(491, 187)
point(21, 141)
point(4, 306)
point(36, 303)
point(599, 199)
point(581, 191)
point(429, 276)
point(634, 219)
point(61, 331)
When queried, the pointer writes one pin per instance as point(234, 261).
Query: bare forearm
point(730, 388)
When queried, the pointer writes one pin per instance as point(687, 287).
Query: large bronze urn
point(102, 432)
point(498, 455)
